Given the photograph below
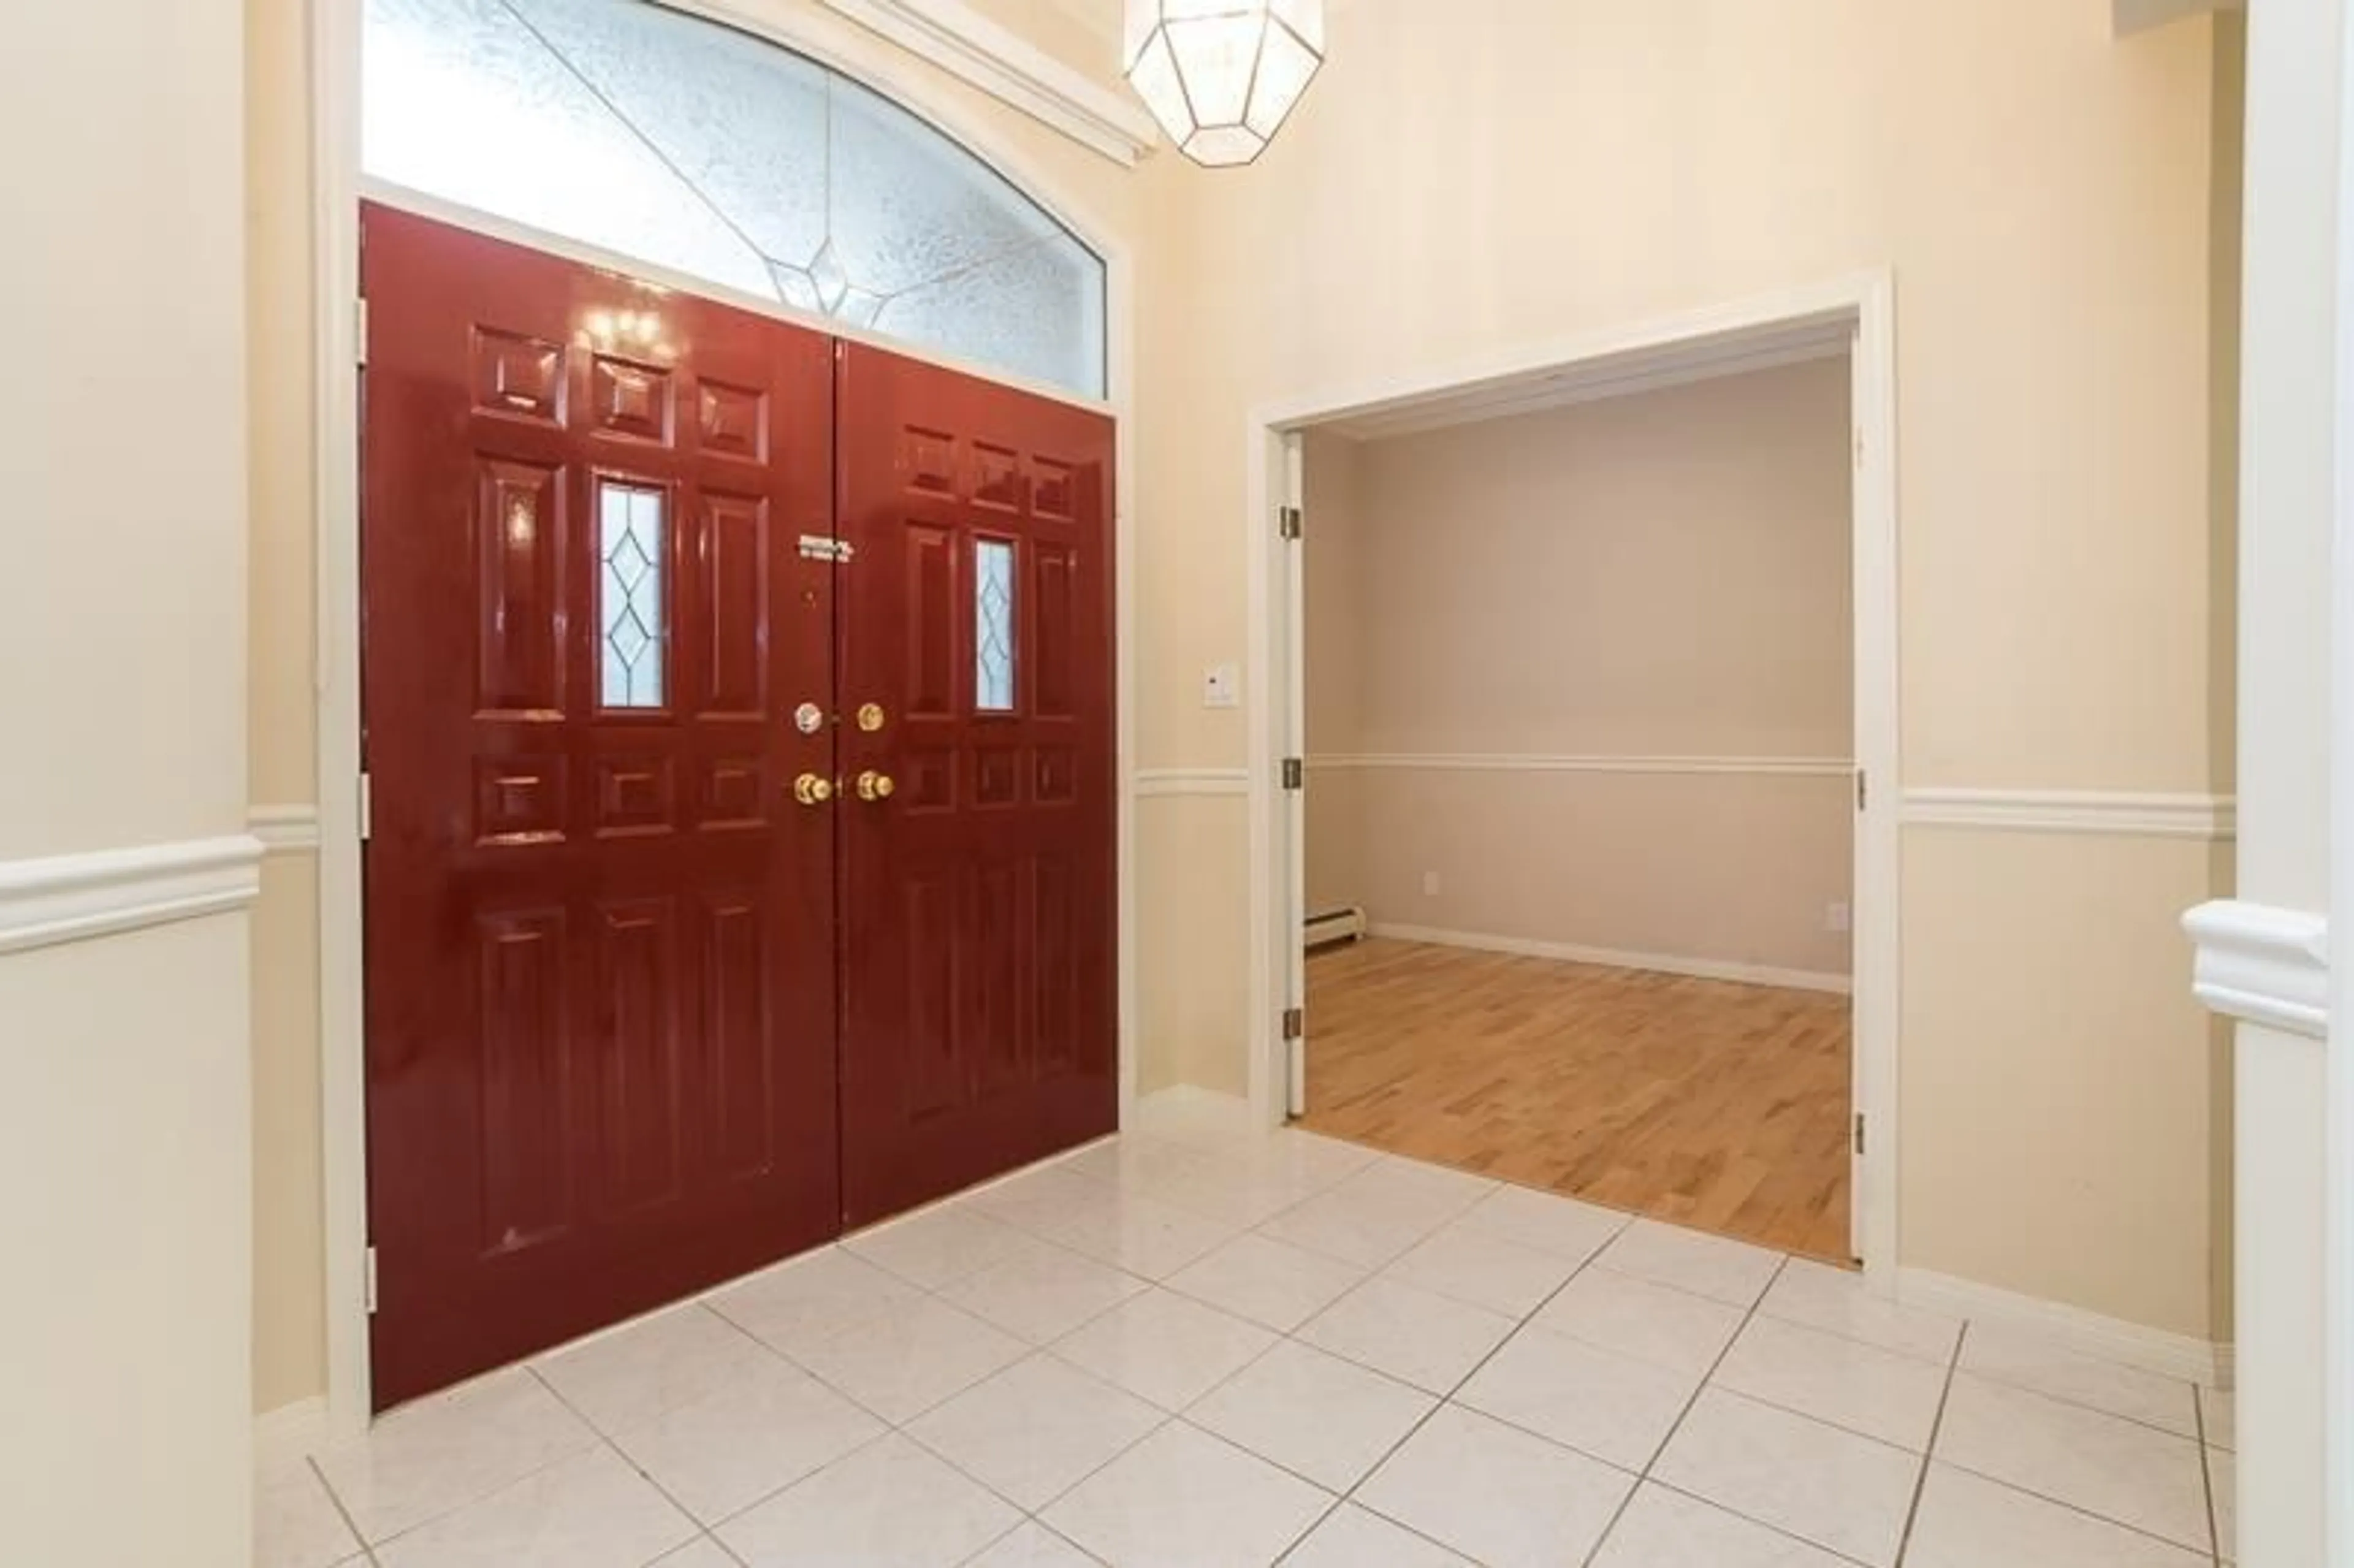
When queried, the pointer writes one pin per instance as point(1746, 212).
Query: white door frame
point(1866, 301)
point(337, 187)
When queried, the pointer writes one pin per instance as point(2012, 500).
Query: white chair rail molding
point(2263, 965)
point(73, 897)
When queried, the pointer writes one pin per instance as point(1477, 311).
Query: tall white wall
point(125, 1321)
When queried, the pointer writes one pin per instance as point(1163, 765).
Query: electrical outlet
point(1221, 687)
point(1837, 918)
point(1430, 884)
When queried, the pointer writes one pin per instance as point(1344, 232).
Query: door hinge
point(1295, 773)
point(1858, 1132)
point(821, 547)
point(367, 808)
point(360, 322)
point(1295, 1024)
point(1858, 446)
point(1287, 521)
point(1862, 788)
point(368, 1280)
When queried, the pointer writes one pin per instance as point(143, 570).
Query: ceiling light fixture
point(1220, 75)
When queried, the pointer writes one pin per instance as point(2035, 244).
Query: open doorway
point(1588, 670)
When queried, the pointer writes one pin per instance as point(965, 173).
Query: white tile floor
point(1202, 1347)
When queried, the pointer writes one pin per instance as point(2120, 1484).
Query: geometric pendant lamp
point(1220, 75)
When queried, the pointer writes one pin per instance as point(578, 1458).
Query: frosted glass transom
point(706, 151)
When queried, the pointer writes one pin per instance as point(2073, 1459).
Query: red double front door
point(738, 731)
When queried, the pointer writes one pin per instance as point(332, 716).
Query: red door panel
point(599, 931)
point(980, 1014)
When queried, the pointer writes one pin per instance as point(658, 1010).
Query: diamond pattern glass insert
point(993, 626)
point(630, 537)
point(720, 155)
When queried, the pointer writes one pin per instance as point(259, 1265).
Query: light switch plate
point(1222, 687)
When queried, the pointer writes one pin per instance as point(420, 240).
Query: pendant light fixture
point(1221, 75)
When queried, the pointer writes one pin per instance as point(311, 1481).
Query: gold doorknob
point(874, 786)
point(811, 791)
point(870, 716)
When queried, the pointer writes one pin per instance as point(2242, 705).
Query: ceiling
point(1104, 17)
point(1101, 18)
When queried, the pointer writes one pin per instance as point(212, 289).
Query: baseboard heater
point(1343, 924)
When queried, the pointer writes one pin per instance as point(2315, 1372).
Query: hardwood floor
point(1719, 1105)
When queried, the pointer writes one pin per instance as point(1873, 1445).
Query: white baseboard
point(2111, 1338)
point(290, 1432)
point(1662, 963)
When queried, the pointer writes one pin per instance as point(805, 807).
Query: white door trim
point(2338, 1170)
point(1864, 301)
point(336, 186)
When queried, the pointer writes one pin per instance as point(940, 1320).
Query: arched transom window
point(659, 135)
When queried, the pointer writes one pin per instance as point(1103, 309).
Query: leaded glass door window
point(706, 151)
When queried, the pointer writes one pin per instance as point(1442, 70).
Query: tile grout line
point(368, 1548)
point(1448, 1398)
point(2206, 1473)
point(2078, 1509)
point(2128, 1526)
point(1344, 1497)
point(2014, 1383)
point(702, 1531)
point(1643, 1475)
point(1929, 1451)
point(525, 1367)
point(1168, 1418)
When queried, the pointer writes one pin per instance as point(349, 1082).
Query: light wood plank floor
point(1718, 1106)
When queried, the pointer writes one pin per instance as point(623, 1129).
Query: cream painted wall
point(290, 1346)
point(1051, 27)
point(2055, 1098)
point(288, 1282)
point(1665, 574)
point(125, 1160)
point(1333, 663)
point(1500, 173)
point(125, 1144)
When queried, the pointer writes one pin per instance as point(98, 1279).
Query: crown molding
point(1000, 62)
